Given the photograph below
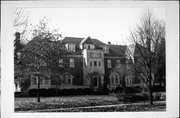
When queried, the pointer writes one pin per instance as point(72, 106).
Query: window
point(68, 79)
point(95, 63)
point(118, 62)
point(90, 63)
point(71, 62)
point(106, 49)
point(89, 47)
point(46, 81)
point(34, 81)
point(109, 63)
point(114, 78)
point(71, 47)
point(99, 63)
point(41, 81)
point(61, 62)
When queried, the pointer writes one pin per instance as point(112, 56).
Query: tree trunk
point(38, 90)
point(150, 97)
point(123, 84)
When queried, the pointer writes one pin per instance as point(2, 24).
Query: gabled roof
point(87, 40)
point(98, 43)
point(77, 41)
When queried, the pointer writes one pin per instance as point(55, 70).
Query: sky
point(105, 24)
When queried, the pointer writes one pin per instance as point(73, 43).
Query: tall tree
point(40, 57)
point(147, 49)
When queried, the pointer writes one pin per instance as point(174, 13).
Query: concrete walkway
point(91, 107)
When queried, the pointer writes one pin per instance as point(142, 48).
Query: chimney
point(109, 43)
point(17, 35)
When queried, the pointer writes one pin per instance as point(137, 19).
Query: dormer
point(87, 43)
point(71, 47)
point(106, 49)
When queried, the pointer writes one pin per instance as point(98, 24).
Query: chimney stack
point(17, 35)
point(109, 43)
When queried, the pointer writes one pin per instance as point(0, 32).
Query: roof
point(75, 40)
point(72, 40)
point(87, 40)
point(116, 50)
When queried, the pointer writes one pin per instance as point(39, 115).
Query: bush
point(159, 96)
point(129, 97)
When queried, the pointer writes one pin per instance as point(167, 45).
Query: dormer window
point(71, 47)
point(106, 49)
point(89, 46)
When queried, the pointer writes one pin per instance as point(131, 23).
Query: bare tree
point(147, 49)
point(21, 20)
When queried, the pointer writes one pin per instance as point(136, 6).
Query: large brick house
point(87, 55)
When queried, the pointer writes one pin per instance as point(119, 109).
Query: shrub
point(159, 96)
point(129, 97)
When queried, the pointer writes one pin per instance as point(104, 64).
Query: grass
point(25, 104)
point(71, 104)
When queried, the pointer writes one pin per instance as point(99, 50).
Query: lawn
point(75, 103)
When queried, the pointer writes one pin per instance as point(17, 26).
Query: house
point(87, 56)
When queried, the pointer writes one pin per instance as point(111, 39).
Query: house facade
point(89, 61)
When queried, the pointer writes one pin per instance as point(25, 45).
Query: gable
point(87, 40)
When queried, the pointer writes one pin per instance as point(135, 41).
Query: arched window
point(114, 78)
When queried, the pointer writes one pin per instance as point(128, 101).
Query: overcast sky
point(105, 24)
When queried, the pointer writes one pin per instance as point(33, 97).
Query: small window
point(99, 63)
point(116, 79)
point(61, 62)
point(112, 80)
point(106, 49)
point(118, 62)
point(68, 79)
point(89, 47)
point(41, 81)
point(34, 81)
point(71, 62)
point(46, 81)
point(109, 63)
point(95, 63)
point(90, 63)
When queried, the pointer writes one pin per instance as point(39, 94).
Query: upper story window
point(118, 62)
point(71, 62)
point(90, 63)
point(106, 49)
point(95, 63)
point(88, 46)
point(71, 47)
point(109, 63)
point(61, 62)
point(99, 63)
